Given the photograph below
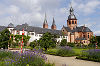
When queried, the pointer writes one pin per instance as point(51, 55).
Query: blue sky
point(32, 12)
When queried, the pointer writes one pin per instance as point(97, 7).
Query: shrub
point(93, 55)
point(63, 42)
point(71, 44)
point(65, 51)
point(28, 58)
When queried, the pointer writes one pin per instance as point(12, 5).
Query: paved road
point(70, 61)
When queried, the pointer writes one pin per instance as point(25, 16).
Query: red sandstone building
point(76, 34)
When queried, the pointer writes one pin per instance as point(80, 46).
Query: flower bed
point(30, 58)
point(91, 55)
point(64, 51)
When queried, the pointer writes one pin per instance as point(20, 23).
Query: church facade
point(75, 33)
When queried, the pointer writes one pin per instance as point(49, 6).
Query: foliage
point(63, 42)
point(47, 41)
point(34, 43)
point(4, 38)
point(51, 51)
point(71, 44)
point(65, 51)
point(18, 38)
point(92, 55)
point(30, 58)
point(92, 41)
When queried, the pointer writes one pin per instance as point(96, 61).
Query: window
point(83, 36)
point(75, 22)
point(72, 22)
point(69, 22)
point(84, 41)
point(32, 33)
point(88, 36)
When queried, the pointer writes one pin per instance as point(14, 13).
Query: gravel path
point(70, 61)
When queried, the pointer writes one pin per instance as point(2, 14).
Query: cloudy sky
point(32, 12)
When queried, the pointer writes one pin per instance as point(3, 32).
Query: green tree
point(34, 43)
point(92, 41)
point(4, 38)
point(47, 41)
point(63, 42)
point(19, 38)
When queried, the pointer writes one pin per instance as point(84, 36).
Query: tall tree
point(4, 38)
point(47, 41)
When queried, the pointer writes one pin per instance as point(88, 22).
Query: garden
point(27, 58)
point(35, 56)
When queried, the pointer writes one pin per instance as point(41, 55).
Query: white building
point(34, 32)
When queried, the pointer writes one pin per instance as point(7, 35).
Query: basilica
point(71, 32)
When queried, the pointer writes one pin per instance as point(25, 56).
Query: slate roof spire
point(71, 16)
point(53, 23)
point(45, 20)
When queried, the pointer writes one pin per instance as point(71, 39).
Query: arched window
point(88, 36)
point(75, 22)
point(72, 22)
point(69, 22)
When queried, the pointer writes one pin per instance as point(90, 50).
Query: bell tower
point(72, 21)
point(53, 25)
point(45, 24)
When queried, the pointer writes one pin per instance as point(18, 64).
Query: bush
point(28, 58)
point(71, 44)
point(63, 42)
point(92, 55)
point(65, 51)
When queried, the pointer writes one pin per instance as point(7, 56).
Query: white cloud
point(12, 9)
point(97, 33)
point(87, 7)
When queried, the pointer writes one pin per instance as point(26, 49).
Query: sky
point(33, 12)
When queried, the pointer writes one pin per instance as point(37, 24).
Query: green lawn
point(78, 50)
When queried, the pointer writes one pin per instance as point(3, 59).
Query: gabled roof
point(78, 29)
point(37, 30)
point(10, 25)
point(2, 28)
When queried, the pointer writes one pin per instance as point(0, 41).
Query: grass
point(78, 50)
point(53, 51)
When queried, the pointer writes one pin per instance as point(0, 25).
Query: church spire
point(45, 24)
point(72, 21)
point(53, 24)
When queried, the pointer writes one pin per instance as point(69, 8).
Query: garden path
point(70, 61)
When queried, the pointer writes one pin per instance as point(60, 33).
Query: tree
point(4, 38)
point(92, 41)
point(47, 41)
point(63, 42)
point(19, 38)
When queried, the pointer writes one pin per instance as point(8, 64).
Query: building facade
point(75, 33)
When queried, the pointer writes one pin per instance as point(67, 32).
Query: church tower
point(53, 25)
point(72, 21)
point(45, 24)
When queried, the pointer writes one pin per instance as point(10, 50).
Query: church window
point(75, 22)
point(88, 36)
point(72, 22)
point(69, 22)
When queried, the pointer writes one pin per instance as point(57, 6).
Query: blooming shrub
point(31, 58)
point(65, 51)
point(92, 55)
